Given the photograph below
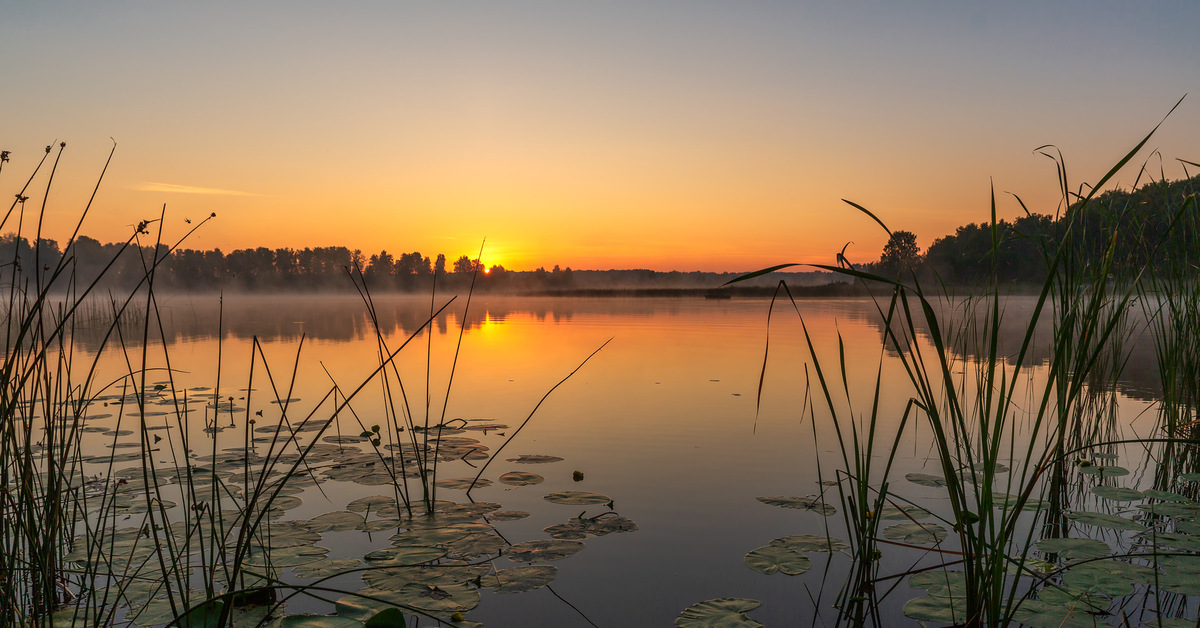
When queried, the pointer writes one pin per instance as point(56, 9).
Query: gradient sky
point(690, 135)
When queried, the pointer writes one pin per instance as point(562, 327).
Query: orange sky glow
point(677, 136)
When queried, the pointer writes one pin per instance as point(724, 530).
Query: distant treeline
point(1145, 227)
point(123, 266)
point(1152, 227)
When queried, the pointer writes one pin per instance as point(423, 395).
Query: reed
point(1007, 433)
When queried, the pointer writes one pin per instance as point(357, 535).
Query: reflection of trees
point(336, 318)
point(961, 324)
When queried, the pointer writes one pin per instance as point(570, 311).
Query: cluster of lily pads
point(234, 506)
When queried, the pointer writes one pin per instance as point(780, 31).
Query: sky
point(677, 135)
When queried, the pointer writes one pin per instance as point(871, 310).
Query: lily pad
point(579, 528)
point(408, 555)
point(1117, 494)
point(725, 612)
point(925, 479)
point(543, 551)
point(521, 478)
point(463, 483)
point(916, 533)
point(811, 543)
point(519, 579)
point(943, 610)
point(802, 503)
point(1106, 577)
point(533, 459)
point(1104, 472)
point(327, 567)
point(335, 521)
point(903, 512)
point(508, 515)
point(578, 498)
point(769, 559)
point(1041, 614)
point(1074, 549)
point(1104, 520)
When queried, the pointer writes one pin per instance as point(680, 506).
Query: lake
point(667, 420)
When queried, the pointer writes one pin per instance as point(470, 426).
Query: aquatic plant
point(1012, 437)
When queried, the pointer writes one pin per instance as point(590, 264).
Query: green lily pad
point(1006, 501)
point(401, 556)
point(916, 533)
point(1106, 577)
point(811, 543)
point(1041, 614)
point(1167, 496)
point(769, 559)
point(925, 479)
point(1064, 596)
point(1104, 472)
point(801, 503)
point(1104, 520)
point(903, 512)
point(319, 621)
point(1184, 542)
point(521, 478)
point(335, 521)
point(943, 610)
point(519, 579)
point(543, 550)
point(726, 612)
point(508, 515)
point(1074, 549)
point(533, 459)
point(578, 498)
point(475, 544)
point(579, 528)
point(463, 484)
point(1117, 494)
point(327, 567)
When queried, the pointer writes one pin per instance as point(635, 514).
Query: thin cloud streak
point(151, 186)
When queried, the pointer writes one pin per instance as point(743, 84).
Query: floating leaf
point(1167, 496)
point(475, 544)
point(318, 621)
point(769, 559)
point(904, 512)
point(408, 555)
point(520, 579)
point(543, 550)
point(579, 528)
point(521, 478)
point(1074, 549)
point(1106, 577)
point(725, 612)
point(1005, 501)
point(916, 533)
point(508, 515)
point(1065, 596)
point(327, 567)
point(1041, 614)
point(1104, 472)
point(1117, 494)
point(1104, 520)
point(810, 543)
point(803, 503)
point(335, 521)
point(533, 459)
point(943, 610)
point(578, 498)
point(463, 483)
point(925, 479)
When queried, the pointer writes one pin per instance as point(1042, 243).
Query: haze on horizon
point(671, 136)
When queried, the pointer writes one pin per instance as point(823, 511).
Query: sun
point(487, 271)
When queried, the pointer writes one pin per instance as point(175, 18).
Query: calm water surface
point(665, 419)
